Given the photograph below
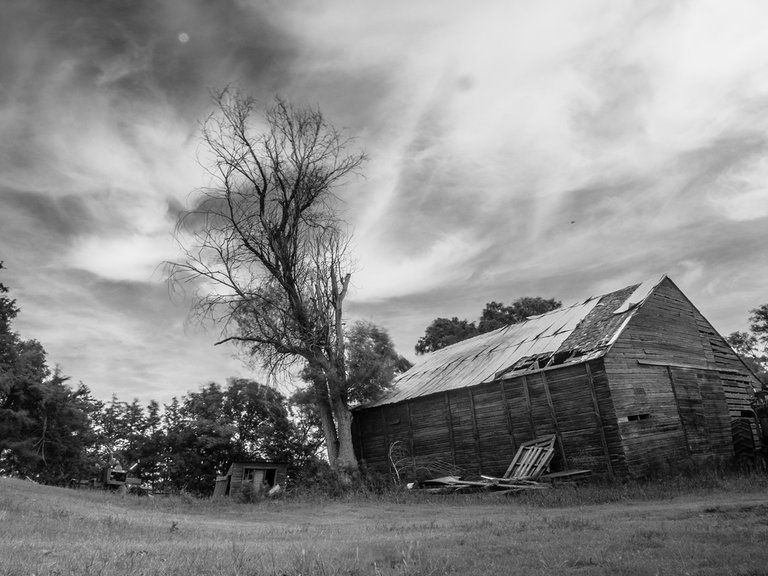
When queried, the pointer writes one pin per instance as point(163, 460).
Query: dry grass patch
point(641, 529)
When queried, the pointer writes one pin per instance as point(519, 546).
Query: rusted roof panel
point(587, 329)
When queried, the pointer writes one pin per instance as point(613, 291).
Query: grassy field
point(714, 526)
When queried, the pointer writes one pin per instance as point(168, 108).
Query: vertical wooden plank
point(359, 434)
point(475, 431)
point(410, 427)
point(599, 418)
point(385, 428)
point(450, 428)
point(510, 427)
point(554, 417)
point(679, 412)
point(527, 394)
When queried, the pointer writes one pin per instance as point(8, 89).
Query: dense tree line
point(192, 439)
point(45, 426)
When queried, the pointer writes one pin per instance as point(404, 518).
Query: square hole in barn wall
point(634, 417)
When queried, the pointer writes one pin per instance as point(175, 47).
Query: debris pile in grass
point(526, 469)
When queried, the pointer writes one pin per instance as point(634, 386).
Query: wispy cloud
point(517, 148)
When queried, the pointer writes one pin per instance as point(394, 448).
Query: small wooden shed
point(261, 474)
point(632, 382)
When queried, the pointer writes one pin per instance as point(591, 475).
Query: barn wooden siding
point(675, 385)
point(479, 428)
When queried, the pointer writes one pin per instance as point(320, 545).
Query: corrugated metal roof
point(587, 329)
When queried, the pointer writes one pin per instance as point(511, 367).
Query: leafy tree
point(45, 429)
point(752, 346)
point(309, 439)
point(495, 315)
point(372, 362)
point(150, 452)
point(199, 444)
point(8, 312)
point(267, 248)
point(205, 431)
point(443, 332)
point(61, 431)
point(747, 346)
point(259, 415)
point(758, 323)
point(133, 435)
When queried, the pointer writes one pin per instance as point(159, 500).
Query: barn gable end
point(676, 384)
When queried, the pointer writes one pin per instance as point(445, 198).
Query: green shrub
point(250, 493)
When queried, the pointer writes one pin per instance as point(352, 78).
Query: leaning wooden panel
point(531, 459)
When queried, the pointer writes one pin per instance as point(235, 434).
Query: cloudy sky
point(555, 148)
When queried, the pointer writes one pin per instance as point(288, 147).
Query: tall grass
point(714, 525)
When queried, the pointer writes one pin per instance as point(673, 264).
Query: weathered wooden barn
point(260, 474)
point(632, 382)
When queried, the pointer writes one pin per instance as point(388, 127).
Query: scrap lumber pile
point(453, 484)
point(524, 472)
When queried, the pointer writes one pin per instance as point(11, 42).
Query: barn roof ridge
point(583, 331)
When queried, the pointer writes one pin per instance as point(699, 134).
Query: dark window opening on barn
point(636, 417)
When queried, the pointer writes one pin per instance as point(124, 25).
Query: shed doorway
point(259, 476)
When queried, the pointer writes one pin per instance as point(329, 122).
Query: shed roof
point(257, 463)
point(574, 334)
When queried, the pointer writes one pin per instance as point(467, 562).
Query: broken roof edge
point(572, 360)
point(633, 303)
point(641, 293)
point(500, 377)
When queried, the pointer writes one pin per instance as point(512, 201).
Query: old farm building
point(258, 474)
point(632, 382)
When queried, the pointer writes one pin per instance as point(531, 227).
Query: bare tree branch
point(265, 248)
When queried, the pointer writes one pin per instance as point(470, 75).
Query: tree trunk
point(346, 459)
point(329, 429)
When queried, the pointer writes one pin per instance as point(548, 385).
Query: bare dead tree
point(266, 250)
